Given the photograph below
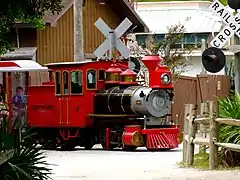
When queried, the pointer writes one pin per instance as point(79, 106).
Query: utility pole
point(237, 66)
point(203, 48)
point(78, 31)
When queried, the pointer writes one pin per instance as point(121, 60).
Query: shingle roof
point(51, 18)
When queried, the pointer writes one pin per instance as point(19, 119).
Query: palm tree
point(27, 161)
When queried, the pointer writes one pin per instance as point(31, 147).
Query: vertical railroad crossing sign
point(232, 24)
point(112, 38)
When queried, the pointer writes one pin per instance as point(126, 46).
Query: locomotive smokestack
point(157, 73)
point(151, 62)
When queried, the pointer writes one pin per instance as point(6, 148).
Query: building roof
point(21, 66)
point(121, 7)
point(23, 53)
point(50, 18)
point(196, 16)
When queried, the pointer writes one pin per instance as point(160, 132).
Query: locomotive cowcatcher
point(100, 102)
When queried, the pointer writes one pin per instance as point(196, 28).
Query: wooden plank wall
point(185, 91)
point(56, 44)
point(194, 90)
point(91, 12)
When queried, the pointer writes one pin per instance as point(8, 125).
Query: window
point(76, 82)
point(160, 37)
point(58, 83)
point(91, 79)
point(189, 39)
point(65, 83)
point(141, 39)
point(101, 75)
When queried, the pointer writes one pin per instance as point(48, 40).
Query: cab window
point(76, 82)
point(101, 75)
point(58, 83)
point(91, 79)
point(65, 83)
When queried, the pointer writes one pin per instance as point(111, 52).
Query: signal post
point(213, 59)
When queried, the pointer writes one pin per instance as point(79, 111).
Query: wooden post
point(191, 135)
point(185, 131)
point(213, 150)
point(202, 127)
point(78, 30)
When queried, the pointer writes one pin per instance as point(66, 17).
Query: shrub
point(27, 162)
point(229, 107)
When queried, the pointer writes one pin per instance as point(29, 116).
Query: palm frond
point(28, 161)
point(229, 107)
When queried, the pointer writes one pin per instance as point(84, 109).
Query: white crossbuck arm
point(232, 24)
point(112, 38)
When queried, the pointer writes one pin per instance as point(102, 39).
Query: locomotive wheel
point(50, 145)
point(103, 141)
point(68, 145)
point(129, 148)
point(89, 143)
point(88, 146)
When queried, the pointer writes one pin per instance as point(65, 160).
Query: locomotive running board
point(111, 115)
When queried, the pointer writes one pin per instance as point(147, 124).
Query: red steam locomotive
point(100, 102)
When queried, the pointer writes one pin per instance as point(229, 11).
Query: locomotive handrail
point(111, 115)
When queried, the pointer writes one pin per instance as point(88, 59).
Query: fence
point(196, 90)
point(208, 123)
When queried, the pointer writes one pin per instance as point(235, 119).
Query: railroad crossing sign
point(232, 24)
point(112, 38)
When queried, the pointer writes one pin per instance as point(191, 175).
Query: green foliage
point(169, 50)
point(6, 139)
point(229, 107)
point(27, 162)
point(201, 160)
point(24, 11)
point(224, 2)
point(36, 22)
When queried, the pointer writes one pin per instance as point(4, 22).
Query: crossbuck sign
point(112, 38)
point(232, 24)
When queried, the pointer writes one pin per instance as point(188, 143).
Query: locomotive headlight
point(165, 78)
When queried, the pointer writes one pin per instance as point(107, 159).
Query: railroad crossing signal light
point(234, 4)
point(213, 60)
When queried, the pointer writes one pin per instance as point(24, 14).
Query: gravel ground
point(118, 165)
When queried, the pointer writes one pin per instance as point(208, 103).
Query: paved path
point(118, 165)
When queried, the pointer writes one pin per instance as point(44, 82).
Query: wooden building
point(55, 43)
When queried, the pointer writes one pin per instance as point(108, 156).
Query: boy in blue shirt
point(18, 107)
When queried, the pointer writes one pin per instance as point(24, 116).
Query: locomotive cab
point(66, 102)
